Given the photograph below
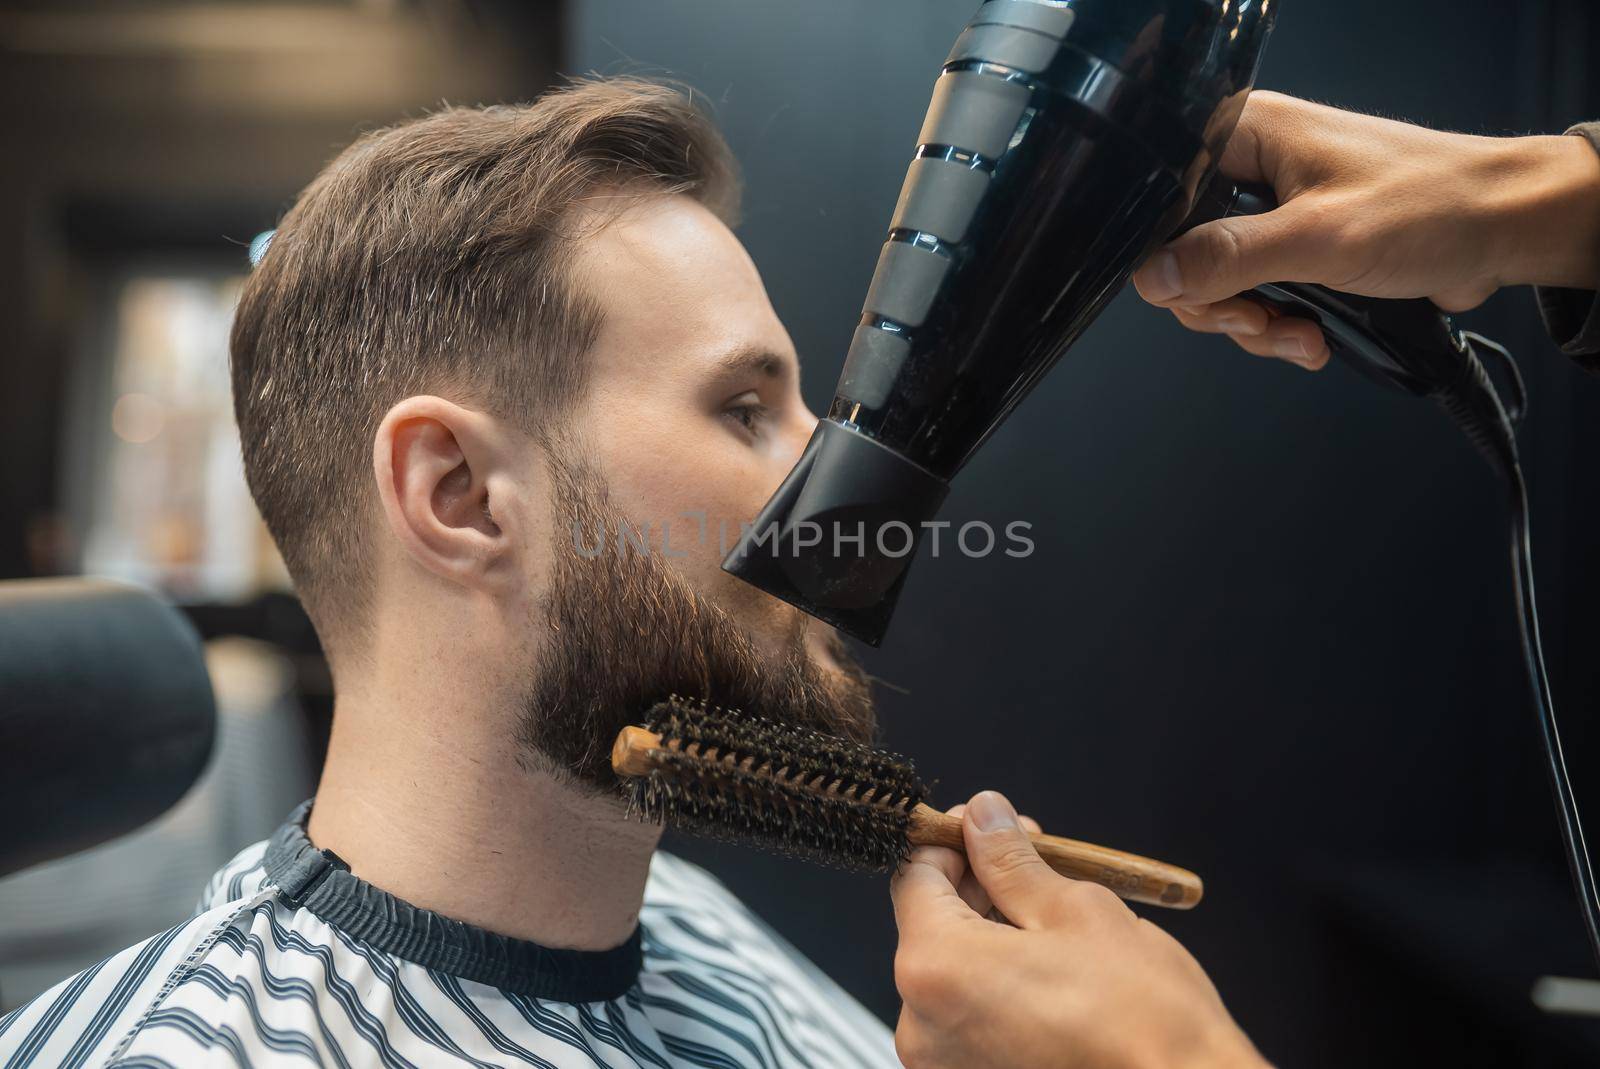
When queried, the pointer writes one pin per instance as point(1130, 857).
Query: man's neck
point(436, 810)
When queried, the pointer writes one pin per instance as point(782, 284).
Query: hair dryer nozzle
point(838, 537)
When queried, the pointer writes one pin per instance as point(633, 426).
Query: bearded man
point(487, 356)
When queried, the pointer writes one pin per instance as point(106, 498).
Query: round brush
point(723, 774)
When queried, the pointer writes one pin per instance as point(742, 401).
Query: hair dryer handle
point(1409, 344)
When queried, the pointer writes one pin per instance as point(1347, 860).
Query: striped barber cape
point(293, 961)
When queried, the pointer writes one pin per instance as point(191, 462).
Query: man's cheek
point(823, 643)
point(773, 623)
point(692, 492)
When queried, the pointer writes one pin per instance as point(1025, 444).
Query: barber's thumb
point(1222, 259)
point(1005, 862)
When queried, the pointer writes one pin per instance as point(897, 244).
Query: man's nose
point(798, 434)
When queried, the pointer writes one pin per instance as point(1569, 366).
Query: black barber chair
point(106, 714)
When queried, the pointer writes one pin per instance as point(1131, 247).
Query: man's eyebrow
point(756, 359)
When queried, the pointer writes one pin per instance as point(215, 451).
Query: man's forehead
point(668, 276)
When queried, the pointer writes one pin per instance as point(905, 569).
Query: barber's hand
point(1380, 208)
point(1079, 982)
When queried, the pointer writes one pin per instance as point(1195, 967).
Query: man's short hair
point(432, 256)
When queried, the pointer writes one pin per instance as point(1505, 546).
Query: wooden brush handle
point(1138, 879)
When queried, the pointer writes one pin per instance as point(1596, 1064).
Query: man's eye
point(747, 413)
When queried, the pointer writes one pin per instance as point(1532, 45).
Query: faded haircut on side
point(431, 257)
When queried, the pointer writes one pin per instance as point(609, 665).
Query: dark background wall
point(1267, 630)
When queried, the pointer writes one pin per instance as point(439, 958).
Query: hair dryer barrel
point(1063, 141)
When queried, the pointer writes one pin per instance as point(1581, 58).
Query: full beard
point(625, 631)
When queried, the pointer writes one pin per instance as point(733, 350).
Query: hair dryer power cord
point(1475, 405)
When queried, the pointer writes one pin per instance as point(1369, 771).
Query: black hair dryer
point(1065, 141)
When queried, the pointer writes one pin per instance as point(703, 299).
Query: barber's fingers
point(1022, 886)
point(925, 893)
point(1027, 821)
point(1270, 143)
point(1236, 315)
point(1248, 155)
point(1291, 338)
point(1283, 143)
point(971, 891)
point(968, 887)
point(1225, 258)
point(1466, 297)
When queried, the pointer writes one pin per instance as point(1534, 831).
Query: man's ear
point(435, 463)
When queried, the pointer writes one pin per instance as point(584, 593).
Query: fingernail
point(1237, 324)
point(1291, 348)
point(1162, 279)
point(991, 812)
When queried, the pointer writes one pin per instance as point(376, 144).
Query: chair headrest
point(106, 714)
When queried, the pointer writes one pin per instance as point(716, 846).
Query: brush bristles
point(798, 792)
